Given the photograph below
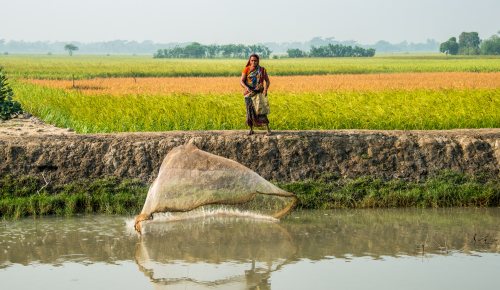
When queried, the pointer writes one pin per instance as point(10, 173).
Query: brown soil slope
point(28, 146)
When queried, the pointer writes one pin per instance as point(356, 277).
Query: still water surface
point(340, 249)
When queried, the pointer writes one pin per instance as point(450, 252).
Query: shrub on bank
point(8, 107)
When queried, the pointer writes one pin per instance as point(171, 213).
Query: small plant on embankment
point(29, 196)
point(8, 107)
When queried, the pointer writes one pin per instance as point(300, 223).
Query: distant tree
point(450, 46)
point(70, 48)
point(295, 52)
point(227, 50)
point(468, 43)
point(338, 50)
point(253, 49)
point(384, 46)
point(318, 51)
point(212, 50)
point(241, 51)
point(491, 46)
point(370, 52)
point(265, 52)
point(8, 107)
point(195, 50)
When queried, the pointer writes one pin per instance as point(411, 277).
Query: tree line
point(333, 50)
point(198, 50)
point(469, 43)
point(150, 47)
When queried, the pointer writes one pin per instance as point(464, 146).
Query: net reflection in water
point(234, 252)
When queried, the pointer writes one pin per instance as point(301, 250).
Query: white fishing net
point(190, 178)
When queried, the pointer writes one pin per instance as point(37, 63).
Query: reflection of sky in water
point(73, 276)
point(370, 249)
point(456, 271)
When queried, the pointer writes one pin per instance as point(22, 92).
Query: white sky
point(247, 22)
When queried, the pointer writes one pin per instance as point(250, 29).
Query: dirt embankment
point(29, 147)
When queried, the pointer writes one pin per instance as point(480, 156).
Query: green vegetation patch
point(447, 189)
point(27, 196)
point(8, 107)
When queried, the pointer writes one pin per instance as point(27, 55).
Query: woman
point(255, 81)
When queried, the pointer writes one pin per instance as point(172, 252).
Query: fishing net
point(193, 182)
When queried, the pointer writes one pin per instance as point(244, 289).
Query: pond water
point(338, 249)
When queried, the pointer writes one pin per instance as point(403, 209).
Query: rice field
point(280, 84)
point(81, 66)
point(392, 109)
point(129, 94)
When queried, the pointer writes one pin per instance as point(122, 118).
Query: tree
point(198, 50)
point(338, 50)
point(293, 53)
point(212, 50)
point(450, 46)
point(8, 107)
point(195, 50)
point(491, 46)
point(70, 48)
point(468, 43)
point(370, 52)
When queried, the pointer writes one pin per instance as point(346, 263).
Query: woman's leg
point(250, 113)
point(268, 129)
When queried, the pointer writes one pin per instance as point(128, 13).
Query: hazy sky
point(247, 22)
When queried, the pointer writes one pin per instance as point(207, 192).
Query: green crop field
point(65, 67)
point(470, 106)
point(392, 109)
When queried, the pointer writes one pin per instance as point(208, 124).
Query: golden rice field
point(131, 94)
point(280, 84)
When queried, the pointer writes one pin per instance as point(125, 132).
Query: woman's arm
point(267, 84)
point(243, 83)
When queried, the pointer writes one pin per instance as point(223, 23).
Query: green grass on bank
point(447, 189)
point(386, 110)
point(27, 196)
point(87, 66)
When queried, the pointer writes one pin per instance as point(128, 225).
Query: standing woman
point(255, 81)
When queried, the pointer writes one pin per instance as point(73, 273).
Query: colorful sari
point(256, 101)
